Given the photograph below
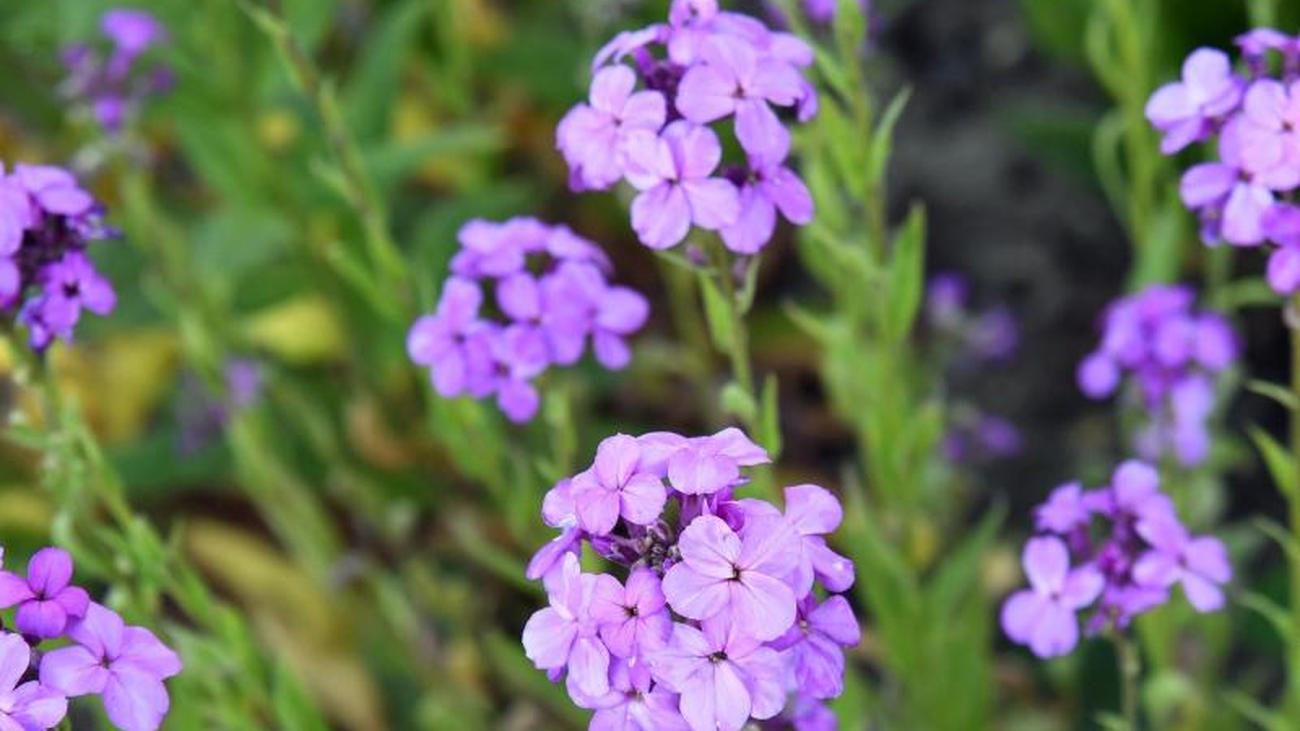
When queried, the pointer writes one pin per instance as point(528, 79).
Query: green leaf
point(1279, 394)
point(882, 138)
point(959, 574)
point(373, 87)
point(770, 426)
point(1255, 712)
point(906, 277)
point(1270, 610)
point(817, 327)
point(1247, 292)
point(1279, 534)
point(718, 313)
point(1277, 459)
point(293, 706)
point(737, 401)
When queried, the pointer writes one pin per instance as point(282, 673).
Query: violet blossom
point(1114, 552)
point(111, 86)
point(1172, 355)
point(659, 99)
point(25, 706)
point(549, 297)
point(124, 665)
point(47, 280)
point(45, 599)
point(1243, 197)
point(713, 617)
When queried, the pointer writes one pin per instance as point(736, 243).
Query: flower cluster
point(1245, 196)
point(113, 87)
point(203, 412)
point(990, 335)
point(966, 338)
point(125, 666)
point(717, 620)
point(648, 122)
point(46, 222)
point(549, 295)
point(1121, 548)
point(1172, 354)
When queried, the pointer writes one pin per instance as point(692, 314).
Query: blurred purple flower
point(1172, 354)
point(1044, 616)
point(1200, 565)
point(1187, 111)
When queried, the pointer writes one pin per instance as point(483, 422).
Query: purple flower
point(1128, 533)
point(635, 702)
point(592, 137)
point(68, 286)
point(565, 635)
point(1200, 565)
point(946, 297)
point(110, 86)
point(724, 676)
point(519, 354)
point(633, 620)
point(814, 644)
point(674, 172)
point(614, 487)
point(133, 31)
point(550, 293)
point(1066, 510)
point(26, 706)
point(125, 665)
point(451, 342)
point(1186, 111)
point(46, 601)
point(738, 578)
point(1281, 224)
point(1043, 616)
point(705, 465)
point(1236, 192)
point(1173, 355)
point(766, 188)
point(733, 79)
point(813, 513)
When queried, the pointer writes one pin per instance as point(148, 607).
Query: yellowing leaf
point(301, 331)
point(120, 381)
point(300, 620)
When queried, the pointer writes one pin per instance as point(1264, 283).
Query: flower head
point(659, 98)
point(125, 665)
point(549, 297)
point(29, 706)
point(1172, 354)
point(46, 223)
point(1127, 547)
point(45, 599)
point(717, 614)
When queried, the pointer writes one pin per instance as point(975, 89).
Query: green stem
point(1130, 670)
point(1294, 498)
point(385, 257)
point(738, 348)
